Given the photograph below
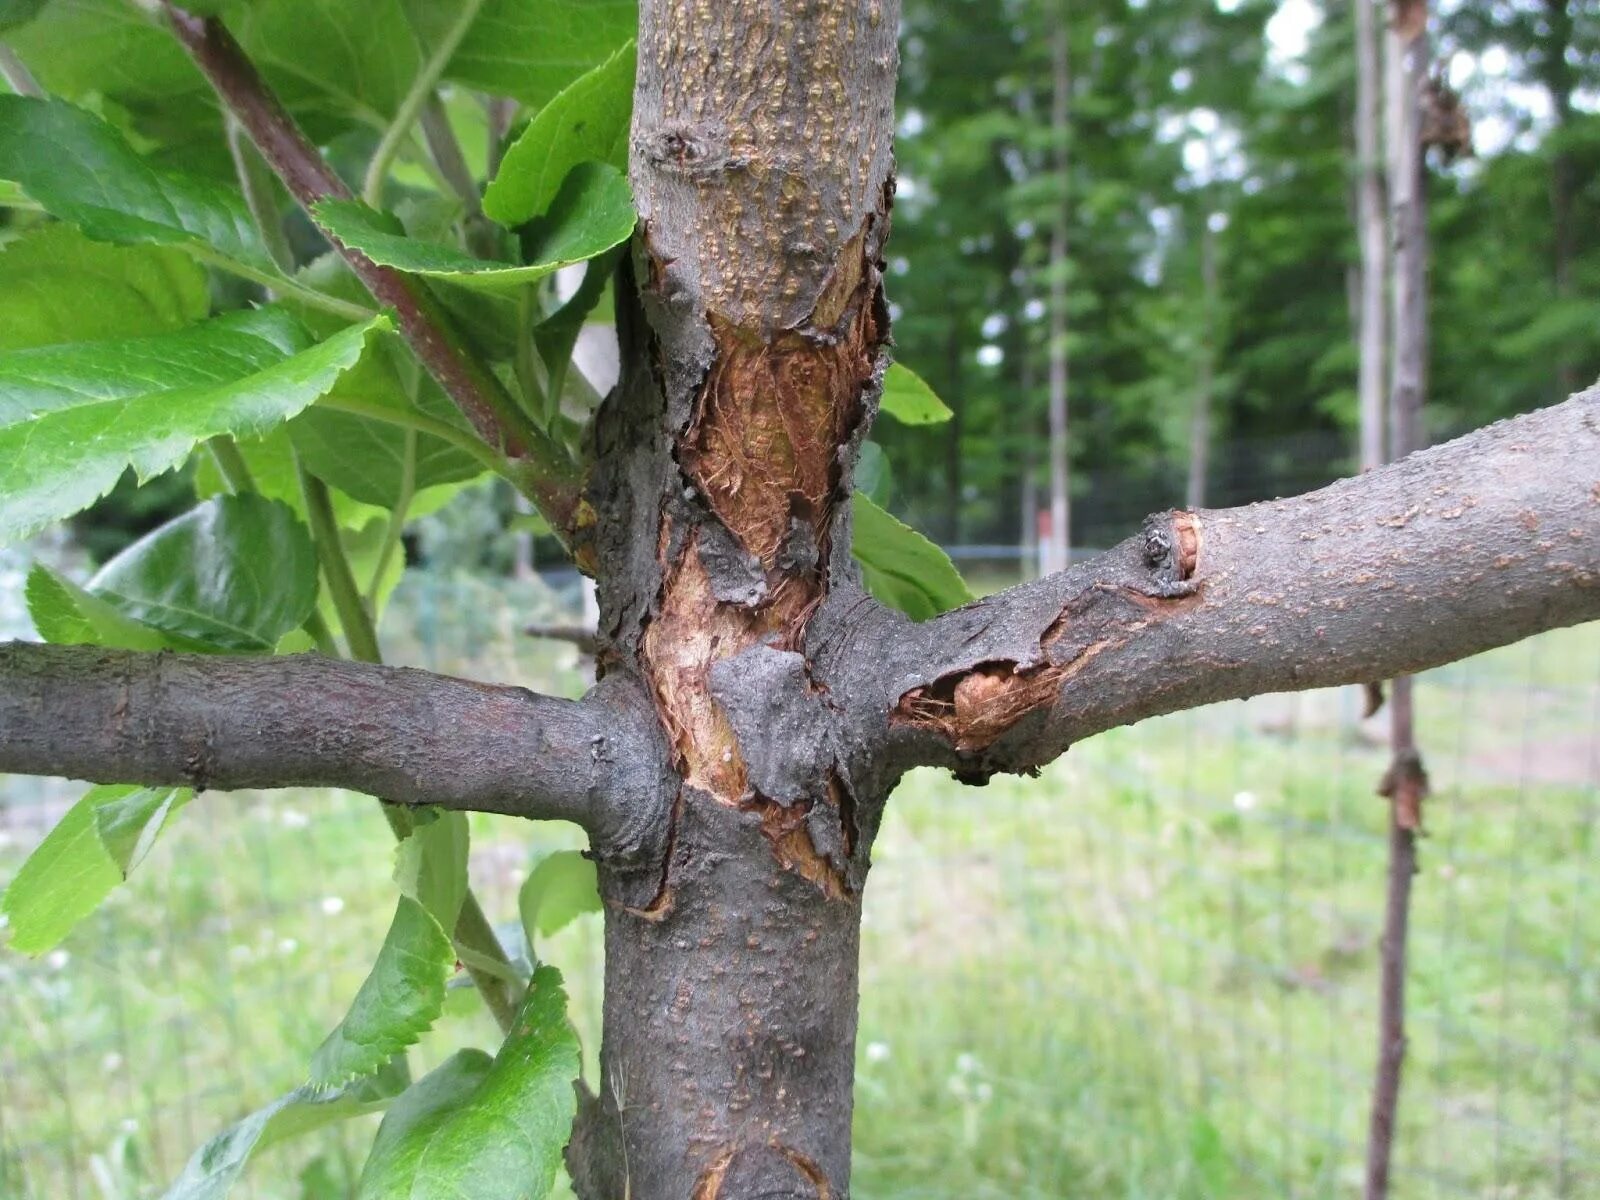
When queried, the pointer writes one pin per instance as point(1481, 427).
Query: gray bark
point(405, 736)
point(755, 707)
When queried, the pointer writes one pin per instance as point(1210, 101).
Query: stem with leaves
point(544, 471)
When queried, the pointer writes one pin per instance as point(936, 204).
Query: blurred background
point(1151, 972)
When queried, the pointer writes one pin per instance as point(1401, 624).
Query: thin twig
point(411, 105)
point(585, 639)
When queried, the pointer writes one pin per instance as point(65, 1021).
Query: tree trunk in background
point(1558, 79)
point(1027, 436)
point(954, 399)
point(1405, 781)
point(752, 328)
point(1058, 546)
point(1372, 234)
point(1200, 417)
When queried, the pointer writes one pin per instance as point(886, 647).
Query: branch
point(1453, 551)
point(406, 736)
point(551, 479)
point(587, 640)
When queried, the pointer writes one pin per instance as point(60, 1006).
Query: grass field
point(1150, 973)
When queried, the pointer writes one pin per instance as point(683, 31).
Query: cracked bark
point(755, 706)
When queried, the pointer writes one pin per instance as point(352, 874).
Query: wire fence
point(1152, 972)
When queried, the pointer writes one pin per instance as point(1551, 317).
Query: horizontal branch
point(406, 736)
point(1453, 551)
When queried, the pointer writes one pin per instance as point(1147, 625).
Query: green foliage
point(909, 400)
point(88, 853)
point(232, 575)
point(902, 568)
point(592, 212)
point(400, 999)
point(559, 890)
point(73, 418)
point(586, 122)
point(58, 286)
point(500, 1123)
point(216, 1166)
point(82, 170)
point(528, 49)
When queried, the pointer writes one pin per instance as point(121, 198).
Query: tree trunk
point(1200, 417)
point(752, 357)
point(1372, 235)
point(1058, 546)
point(1405, 782)
point(1558, 79)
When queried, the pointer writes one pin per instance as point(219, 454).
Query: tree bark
point(752, 360)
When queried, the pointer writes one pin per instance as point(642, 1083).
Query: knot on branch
point(1172, 551)
point(1405, 785)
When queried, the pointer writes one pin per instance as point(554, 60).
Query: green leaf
point(592, 212)
point(56, 285)
point(909, 400)
point(73, 418)
point(90, 851)
point(874, 477)
point(234, 573)
point(559, 890)
point(216, 1166)
point(500, 1124)
point(18, 12)
point(528, 49)
point(82, 170)
point(85, 48)
point(396, 1004)
point(431, 863)
point(69, 615)
point(586, 122)
point(365, 456)
point(901, 567)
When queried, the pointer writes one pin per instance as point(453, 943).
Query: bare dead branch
point(585, 638)
point(407, 736)
point(1455, 550)
point(547, 474)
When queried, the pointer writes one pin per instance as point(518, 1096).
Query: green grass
point(1149, 973)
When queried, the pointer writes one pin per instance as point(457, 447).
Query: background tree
point(756, 703)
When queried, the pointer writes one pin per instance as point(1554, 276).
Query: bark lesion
point(972, 707)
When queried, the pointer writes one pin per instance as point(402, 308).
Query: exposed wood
point(1455, 550)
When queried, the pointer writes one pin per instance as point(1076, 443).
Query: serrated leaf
point(431, 863)
point(586, 122)
point(82, 170)
point(592, 212)
point(56, 285)
point(73, 418)
point(909, 400)
point(529, 49)
point(88, 853)
point(500, 1124)
point(216, 1166)
point(396, 1004)
point(560, 889)
point(901, 567)
point(235, 573)
point(68, 615)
